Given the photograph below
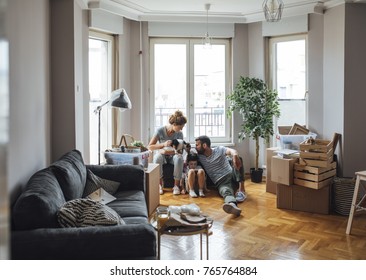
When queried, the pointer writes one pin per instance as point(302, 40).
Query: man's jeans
point(229, 184)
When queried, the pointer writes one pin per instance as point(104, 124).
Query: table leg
point(201, 245)
point(159, 246)
point(207, 244)
point(353, 206)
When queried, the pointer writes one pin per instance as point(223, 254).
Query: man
point(222, 174)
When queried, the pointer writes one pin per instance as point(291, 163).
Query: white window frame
point(272, 62)
point(190, 42)
point(106, 112)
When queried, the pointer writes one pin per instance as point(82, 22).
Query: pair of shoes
point(201, 194)
point(176, 190)
point(161, 191)
point(192, 193)
point(240, 196)
point(231, 208)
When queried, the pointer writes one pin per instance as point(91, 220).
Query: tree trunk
point(256, 152)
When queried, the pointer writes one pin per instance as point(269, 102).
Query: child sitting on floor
point(194, 174)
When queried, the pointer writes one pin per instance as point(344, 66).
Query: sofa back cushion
point(71, 174)
point(38, 205)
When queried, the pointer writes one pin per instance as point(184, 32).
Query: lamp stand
point(119, 100)
point(97, 110)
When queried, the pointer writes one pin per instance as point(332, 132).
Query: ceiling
point(221, 11)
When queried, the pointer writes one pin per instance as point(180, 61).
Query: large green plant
point(258, 105)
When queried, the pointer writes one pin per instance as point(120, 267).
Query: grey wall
point(240, 67)
point(354, 132)
point(29, 121)
point(333, 63)
point(315, 73)
point(4, 137)
point(69, 87)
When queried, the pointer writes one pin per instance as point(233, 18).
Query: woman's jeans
point(176, 160)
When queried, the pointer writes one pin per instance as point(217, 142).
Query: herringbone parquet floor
point(264, 232)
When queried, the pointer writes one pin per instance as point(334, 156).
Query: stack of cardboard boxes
point(302, 181)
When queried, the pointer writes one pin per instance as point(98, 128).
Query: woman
point(162, 141)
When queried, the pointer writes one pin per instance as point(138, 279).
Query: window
point(288, 71)
point(100, 83)
point(195, 80)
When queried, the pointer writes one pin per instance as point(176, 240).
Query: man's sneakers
point(231, 208)
point(240, 196)
point(161, 191)
point(176, 190)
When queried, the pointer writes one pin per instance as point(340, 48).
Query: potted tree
point(257, 104)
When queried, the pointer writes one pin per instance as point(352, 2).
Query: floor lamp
point(118, 100)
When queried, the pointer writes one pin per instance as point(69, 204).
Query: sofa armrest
point(131, 241)
point(130, 177)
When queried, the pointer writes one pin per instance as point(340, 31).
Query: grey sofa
point(36, 233)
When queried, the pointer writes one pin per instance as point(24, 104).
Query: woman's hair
point(177, 118)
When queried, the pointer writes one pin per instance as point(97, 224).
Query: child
point(194, 173)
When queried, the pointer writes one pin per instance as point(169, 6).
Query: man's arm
point(235, 156)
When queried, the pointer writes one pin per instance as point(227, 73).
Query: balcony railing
point(208, 121)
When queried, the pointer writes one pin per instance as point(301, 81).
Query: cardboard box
point(282, 170)
point(304, 199)
point(271, 186)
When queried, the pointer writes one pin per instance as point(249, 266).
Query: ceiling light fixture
point(206, 41)
point(273, 10)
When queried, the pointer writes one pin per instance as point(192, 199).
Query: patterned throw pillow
point(93, 183)
point(83, 212)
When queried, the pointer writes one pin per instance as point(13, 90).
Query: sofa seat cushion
point(83, 212)
point(70, 172)
point(38, 205)
point(131, 206)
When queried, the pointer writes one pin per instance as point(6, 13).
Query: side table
point(152, 187)
point(356, 207)
point(184, 230)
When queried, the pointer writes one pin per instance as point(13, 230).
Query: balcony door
point(195, 80)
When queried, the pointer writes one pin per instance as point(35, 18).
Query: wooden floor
point(263, 232)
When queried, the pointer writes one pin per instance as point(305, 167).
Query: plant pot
point(256, 175)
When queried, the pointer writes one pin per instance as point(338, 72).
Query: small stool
point(355, 207)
